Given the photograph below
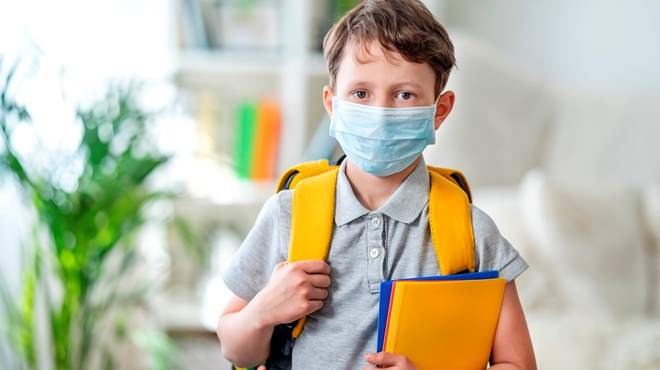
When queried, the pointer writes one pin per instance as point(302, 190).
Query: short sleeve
point(251, 266)
point(493, 251)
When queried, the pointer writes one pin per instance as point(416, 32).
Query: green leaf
point(84, 229)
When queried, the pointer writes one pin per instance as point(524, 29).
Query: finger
point(385, 359)
point(314, 266)
point(320, 280)
point(314, 306)
point(317, 294)
point(261, 367)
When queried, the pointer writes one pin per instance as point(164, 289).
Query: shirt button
point(374, 252)
point(375, 222)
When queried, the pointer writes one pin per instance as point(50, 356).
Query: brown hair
point(403, 26)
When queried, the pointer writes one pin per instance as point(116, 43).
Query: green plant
point(83, 255)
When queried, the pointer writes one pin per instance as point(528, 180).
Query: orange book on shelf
point(266, 140)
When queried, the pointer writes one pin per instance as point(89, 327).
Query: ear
point(327, 100)
point(443, 107)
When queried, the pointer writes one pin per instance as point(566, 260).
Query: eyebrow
point(359, 83)
point(407, 83)
point(395, 86)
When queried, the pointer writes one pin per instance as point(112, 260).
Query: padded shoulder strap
point(312, 216)
point(294, 174)
point(455, 176)
point(450, 220)
point(312, 221)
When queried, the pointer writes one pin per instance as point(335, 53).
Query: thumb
point(384, 358)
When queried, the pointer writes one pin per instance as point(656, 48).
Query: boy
point(388, 62)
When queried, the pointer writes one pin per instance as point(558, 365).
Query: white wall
point(594, 44)
point(92, 40)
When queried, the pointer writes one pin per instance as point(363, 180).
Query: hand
point(294, 290)
point(388, 360)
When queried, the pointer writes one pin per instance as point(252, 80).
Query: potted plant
point(82, 264)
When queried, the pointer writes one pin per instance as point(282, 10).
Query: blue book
point(386, 292)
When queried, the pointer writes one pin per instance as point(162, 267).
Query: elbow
point(235, 360)
point(226, 352)
point(232, 354)
point(230, 358)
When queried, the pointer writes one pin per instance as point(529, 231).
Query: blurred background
point(141, 137)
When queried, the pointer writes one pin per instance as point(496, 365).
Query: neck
point(373, 191)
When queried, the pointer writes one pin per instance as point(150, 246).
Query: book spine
point(245, 122)
point(266, 141)
point(387, 347)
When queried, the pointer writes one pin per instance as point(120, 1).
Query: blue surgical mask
point(382, 141)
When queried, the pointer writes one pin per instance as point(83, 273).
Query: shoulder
point(260, 251)
point(283, 200)
point(276, 206)
point(483, 224)
point(492, 250)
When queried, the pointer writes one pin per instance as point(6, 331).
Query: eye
point(405, 95)
point(359, 94)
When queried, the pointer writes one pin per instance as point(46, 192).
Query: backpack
point(312, 222)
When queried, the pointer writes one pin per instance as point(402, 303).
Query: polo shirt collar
point(404, 205)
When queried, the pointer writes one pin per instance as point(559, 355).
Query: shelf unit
point(293, 73)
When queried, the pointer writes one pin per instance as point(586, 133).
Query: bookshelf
point(288, 68)
point(215, 75)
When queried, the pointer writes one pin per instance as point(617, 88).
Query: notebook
point(441, 321)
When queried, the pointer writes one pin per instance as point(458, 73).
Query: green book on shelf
point(244, 132)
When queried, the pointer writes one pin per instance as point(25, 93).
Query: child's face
point(374, 76)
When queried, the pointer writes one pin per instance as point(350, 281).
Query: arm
point(512, 346)
point(293, 291)
point(245, 338)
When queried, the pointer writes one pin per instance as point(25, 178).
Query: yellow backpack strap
point(450, 221)
point(312, 217)
point(312, 213)
point(294, 174)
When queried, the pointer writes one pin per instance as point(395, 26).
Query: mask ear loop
point(435, 109)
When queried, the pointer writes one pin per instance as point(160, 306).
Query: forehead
point(369, 60)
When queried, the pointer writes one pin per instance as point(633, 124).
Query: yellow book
point(444, 324)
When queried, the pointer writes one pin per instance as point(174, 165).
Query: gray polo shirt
point(392, 242)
